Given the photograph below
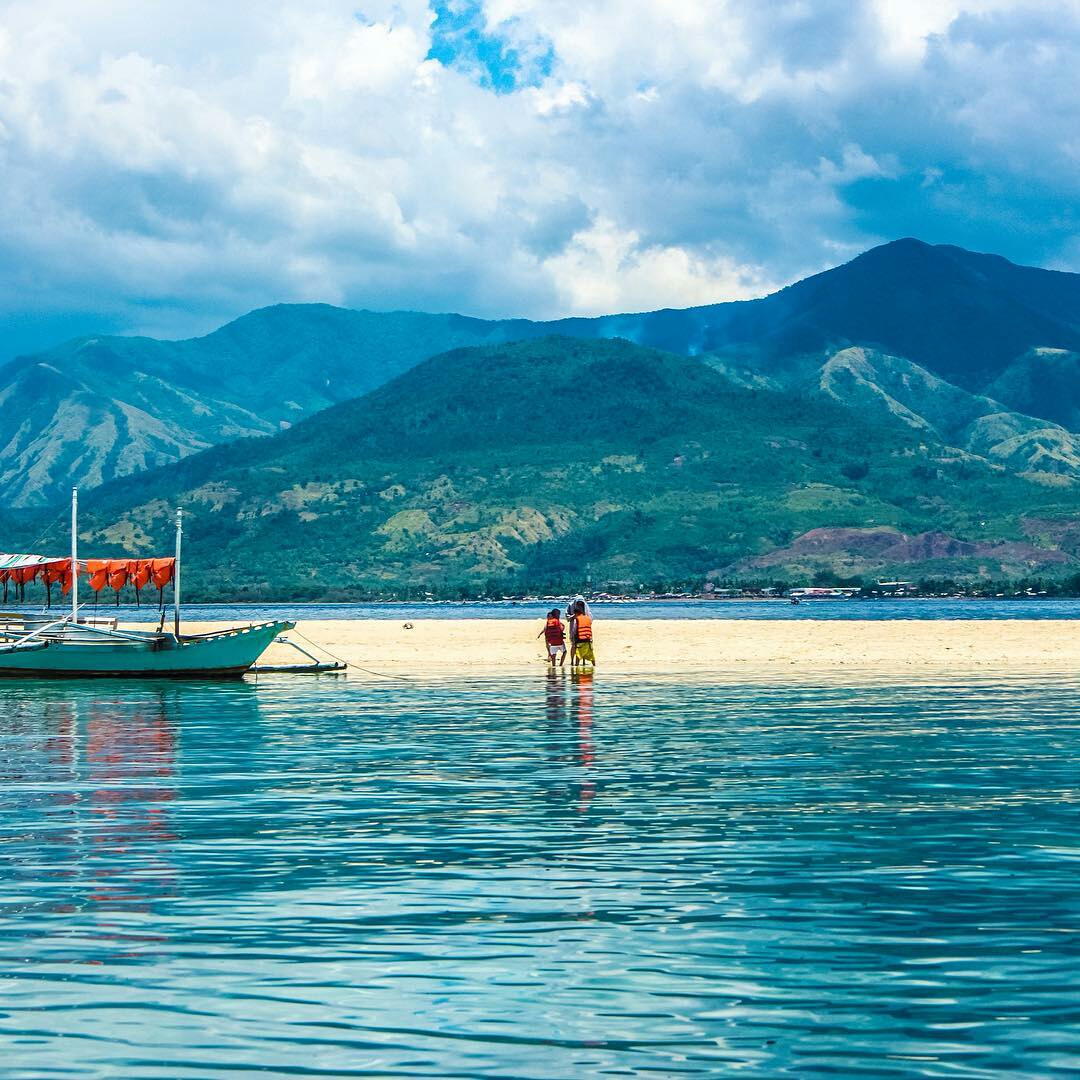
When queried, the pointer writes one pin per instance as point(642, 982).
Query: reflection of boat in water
point(102, 814)
point(75, 645)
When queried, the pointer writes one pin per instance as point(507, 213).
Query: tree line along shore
point(829, 588)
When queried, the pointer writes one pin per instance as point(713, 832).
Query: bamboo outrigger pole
point(75, 555)
point(176, 574)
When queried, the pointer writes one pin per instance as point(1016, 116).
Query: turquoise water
point(1044, 608)
point(540, 877)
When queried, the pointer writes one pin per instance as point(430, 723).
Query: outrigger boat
point(75, 644)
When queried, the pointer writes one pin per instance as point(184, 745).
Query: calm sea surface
point(634, 609)
point(540, 877)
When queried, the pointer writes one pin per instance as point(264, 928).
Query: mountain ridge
point(502, 467)
point(970, 319)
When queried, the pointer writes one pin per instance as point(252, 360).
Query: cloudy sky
point(166, 167)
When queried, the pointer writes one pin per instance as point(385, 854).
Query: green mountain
point(962, 316)
point(896, 389)
point(1042, 382)
point(996, 340)
point(100, 408)
point(540, 463)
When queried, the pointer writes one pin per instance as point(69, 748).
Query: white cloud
point(908, 25)
point(605, 269)
point(169, 167)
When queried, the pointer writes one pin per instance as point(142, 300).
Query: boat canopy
point(21, 562)
point(21, 570)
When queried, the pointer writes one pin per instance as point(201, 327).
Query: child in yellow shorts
point(582, 635)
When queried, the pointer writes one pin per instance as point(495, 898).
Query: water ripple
point(541, 877)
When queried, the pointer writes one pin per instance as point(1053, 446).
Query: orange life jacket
point(139, 576)
point(161, 571)
point(139, 573)
point(52, 573)
point(553, 632)
point(117, 572)
point(55, 572)
point(97, 571)
point(584, 627)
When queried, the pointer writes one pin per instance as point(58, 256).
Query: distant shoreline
point(561, 601)
point(1042, 609)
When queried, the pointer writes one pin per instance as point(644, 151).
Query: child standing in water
point(582, 634)
point(554, 633)
point(571, 617)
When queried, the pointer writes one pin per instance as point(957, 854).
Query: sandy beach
point(443, 646)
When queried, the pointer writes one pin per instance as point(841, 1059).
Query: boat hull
point(224, 655)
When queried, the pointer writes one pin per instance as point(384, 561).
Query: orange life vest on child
point(553, 632)
point(584, 627)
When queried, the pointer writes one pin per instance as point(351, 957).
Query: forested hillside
point(540, 464)
point(996, 339)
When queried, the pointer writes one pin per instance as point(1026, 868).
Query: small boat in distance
point(76, 645)
point(820, 592)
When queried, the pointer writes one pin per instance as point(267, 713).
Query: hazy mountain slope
point(976, 321)
point(1043, 382)
point(873, 554)
point(871, 380)
point(99, 408)
point(543, 462)
point(963, 316)
point(58, 429)
point(875, 383)
point(291, 360)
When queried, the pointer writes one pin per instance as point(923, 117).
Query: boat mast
point(176, 573)
point(75, 555)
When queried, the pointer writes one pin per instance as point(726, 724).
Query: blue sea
point(540, 876)
point(631, 609)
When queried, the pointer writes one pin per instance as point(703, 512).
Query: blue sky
point(462, 40)
point(165, 170)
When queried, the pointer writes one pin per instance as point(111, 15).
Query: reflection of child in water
point(554, 633)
